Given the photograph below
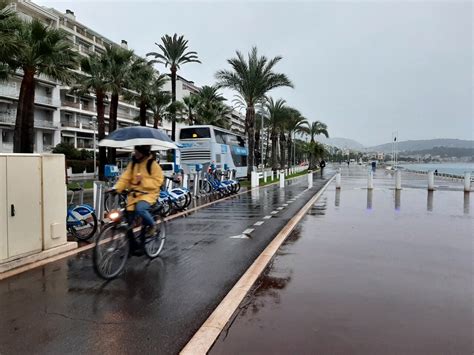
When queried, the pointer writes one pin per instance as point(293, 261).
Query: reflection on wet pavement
point(376, 272)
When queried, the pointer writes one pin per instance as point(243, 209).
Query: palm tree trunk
point(267, 151)
point(289, 147)
point(282, 151)
point(156, 121)
point(101, 132)
point(24, 126)
point(274, 150)
point(173, 99)
point(143, 114)
point(258, 153)
point(250, 124)
point(113, 124)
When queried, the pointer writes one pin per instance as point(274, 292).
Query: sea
point(447, 168)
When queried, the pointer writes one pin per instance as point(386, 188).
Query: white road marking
point(240, 236)
point(259, 223)
point(273, 212)
point(248, 231)
point(280, 208)
point(267, 217)
point(285, 204)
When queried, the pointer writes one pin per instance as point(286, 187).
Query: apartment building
point(61, 116)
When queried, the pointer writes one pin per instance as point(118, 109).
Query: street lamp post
point(94, 147)
point(261, 143)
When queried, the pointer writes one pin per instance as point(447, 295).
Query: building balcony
point(7, 147)
point(71, 104)
point(8, 118)
point(85, 144)
point(46, 124)
point(70, 124)
point(46, 100)
point(11, 92)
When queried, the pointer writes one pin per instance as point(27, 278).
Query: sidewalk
point(366, 272)
point(154, 307)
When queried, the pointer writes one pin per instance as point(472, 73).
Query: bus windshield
point(194, 133)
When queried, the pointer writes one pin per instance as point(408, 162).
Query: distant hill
point(341, 143)
point(421, 145)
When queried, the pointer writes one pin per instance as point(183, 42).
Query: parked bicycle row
point(176, 195)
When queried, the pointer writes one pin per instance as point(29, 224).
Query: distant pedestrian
point(436, 172)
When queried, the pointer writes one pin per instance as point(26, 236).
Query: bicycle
point(81, 220)
point(112, 248)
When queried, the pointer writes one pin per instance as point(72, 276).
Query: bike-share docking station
point(33, 208)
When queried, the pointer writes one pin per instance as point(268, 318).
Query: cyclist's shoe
point(135, 248)
point(151, 232)
point(137, 251)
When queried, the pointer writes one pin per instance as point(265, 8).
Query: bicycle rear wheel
point(111, 251)
point(205, 187)
point(154, 245)
point(87, 227)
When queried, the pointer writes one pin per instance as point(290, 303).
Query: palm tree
point(38, 49)
point(295, 124)
point(191, 102)
point(143, 83)
point(96, 81)
point(252, 79)
point(174, 54)
point(9, 26)
point(314, 130)
point(276, 115)
point(119, 61)
point(210, 108)
point(159, 105)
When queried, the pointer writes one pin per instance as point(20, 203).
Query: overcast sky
point(364, 68)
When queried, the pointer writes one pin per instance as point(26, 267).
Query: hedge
point(78, 166)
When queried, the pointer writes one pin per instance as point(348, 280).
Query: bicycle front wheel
point(154, 245)
point(111, 251)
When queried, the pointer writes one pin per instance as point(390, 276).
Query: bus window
point(221, 137)
point(241, 141)
point(194, 133)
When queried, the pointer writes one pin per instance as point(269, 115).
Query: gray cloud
point(364, 68)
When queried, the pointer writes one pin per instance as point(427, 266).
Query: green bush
point(78, 166)
point(72, 153)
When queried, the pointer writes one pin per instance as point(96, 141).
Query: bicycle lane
point(155, 306)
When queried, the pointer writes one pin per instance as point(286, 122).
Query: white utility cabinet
point(32, 204)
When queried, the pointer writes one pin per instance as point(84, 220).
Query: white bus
point(212, 145)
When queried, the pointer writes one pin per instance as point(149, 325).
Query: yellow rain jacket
point(150, 183)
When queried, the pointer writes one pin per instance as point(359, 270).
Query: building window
point(47, 139)
point(7, 136)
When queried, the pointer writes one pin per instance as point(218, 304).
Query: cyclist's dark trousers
point(142, 209)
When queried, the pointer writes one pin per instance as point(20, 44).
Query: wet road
point(156, 306)
point(366, 273)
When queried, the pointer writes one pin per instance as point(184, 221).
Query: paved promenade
point(367, 272)
point(155, 306)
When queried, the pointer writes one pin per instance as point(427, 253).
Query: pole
point(398, 180)
point(93, 127)
point(370, 180)
point(467, 182)
point(338, 179)
point(261, 142)
point(430, 181)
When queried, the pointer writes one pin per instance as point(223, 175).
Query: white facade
point(59, 115)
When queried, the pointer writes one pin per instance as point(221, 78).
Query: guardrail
point(442, 175)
